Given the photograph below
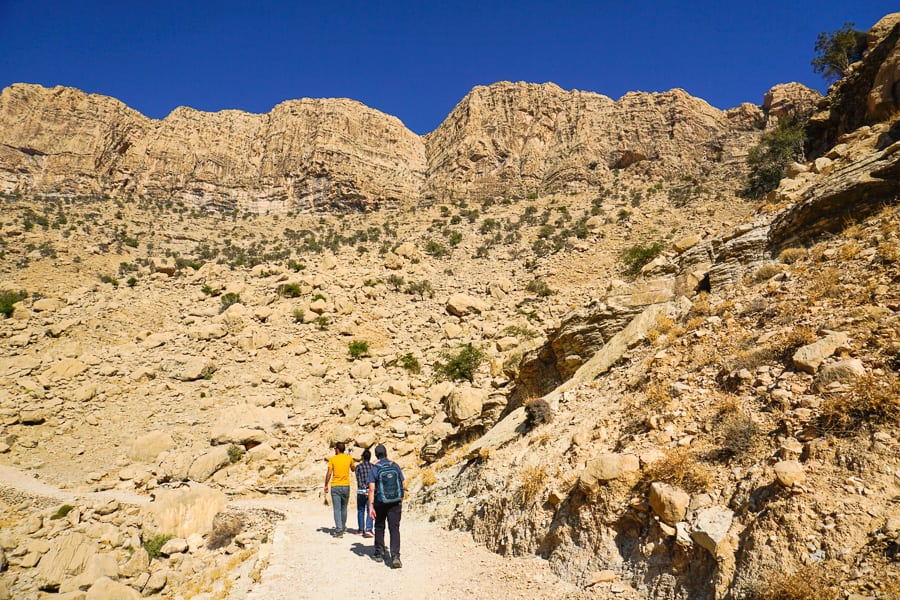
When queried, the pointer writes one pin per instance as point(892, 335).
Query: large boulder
point(465, 403)
point(809, 357)
point(668, 502)
point(186, 510)
point(149, 446)
point(68, 555)
point(107, 589)
point(461, 305)
point(606, 467)
point(205, 465)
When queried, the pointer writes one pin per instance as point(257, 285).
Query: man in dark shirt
point(382, 511)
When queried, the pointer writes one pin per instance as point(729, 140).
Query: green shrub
point(435, 249)
point(132, 281)
point(768, 160)
point(206, 289)
point(296, 266)
point(8, 298)
point(299, 315)
point(462, 364)
point(637, 256)
point(61, 512)
point(322, 322)
point(540, 288)
point(235, 452)
point(358, 349)
point(837, 51)
point(289, 290)
point(318, 297)
point(110, 280)
point(395, 281)
point(410, 363)
point(155, 544)
point(229, 299)
point(420, 288)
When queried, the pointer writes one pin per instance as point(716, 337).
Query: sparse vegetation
point(410, 363)
point(539, 287)
point(681, 467)
point(873, 400)
point(61, 512)
point(299, 315)
point(155, 544)
point(639, 255)
point(289, 290)
point(462, 364)
point(235, 452)
point(768, 160)
point(227, 300)
point(837, 50)
point(322, 322)
point(358, 349)
point(8, 299)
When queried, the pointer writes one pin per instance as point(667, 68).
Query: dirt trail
point(307, 562)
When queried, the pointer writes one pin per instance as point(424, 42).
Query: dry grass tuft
point(849, 250)
point(533, 479)
point(428, 477)
point(681, 467)
point(765, 272)
point(538, 411)
point(872, 399)
point(809, 583)
point(791, 255)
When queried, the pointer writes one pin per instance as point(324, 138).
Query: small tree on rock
point(837, 50)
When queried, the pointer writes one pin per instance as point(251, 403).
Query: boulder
point(136, 564)
point(809, 357)
point(107, 589)
point(47, 304)
point(175, 466)
point(668, 502)
point(460, 305)
point(68, 555)
point(842, 372)
point(65, 369)
point(149, 446)
point(710, 529)
point(205, 465)
point(185, 510)
point(789, 472)
point(465, 403)
point(98, 565)
point(606, 467)
point(174, 546)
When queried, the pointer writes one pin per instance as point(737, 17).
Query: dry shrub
point(809, 583)
point(765, 272)
point(888, 252)
point(657, 394)
point(872, 399)
point(824, 284)
point(485, 453)
point(532, 479)
point(791, 255)
point(428, 477)
point(739, 433)
point(225, 527)
point(680, 467)
point(849, 250)
point(694, 322)
point(664, 324)
point(538, 412)
point(701, 306)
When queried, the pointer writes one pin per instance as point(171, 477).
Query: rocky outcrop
point(313, 154)
point(304, 154)
point(869, 93)
point(518, 138)
point(788, 98)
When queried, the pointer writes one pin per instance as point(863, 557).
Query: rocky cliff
point(507, 138)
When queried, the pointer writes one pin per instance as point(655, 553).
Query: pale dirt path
point(308, 563)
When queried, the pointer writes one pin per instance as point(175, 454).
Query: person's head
point(380, 452)
point(366, 454)
point(339, 447)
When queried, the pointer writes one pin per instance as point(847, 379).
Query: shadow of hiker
point(361, 549)
point(329, 530)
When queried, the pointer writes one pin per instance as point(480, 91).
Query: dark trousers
point(391, 514)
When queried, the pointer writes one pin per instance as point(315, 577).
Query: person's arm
point(328, 475)
point(372, 500)
point(352, 465)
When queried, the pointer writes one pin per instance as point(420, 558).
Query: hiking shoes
point(396, 562)
point(368, 534)
point(378, 556)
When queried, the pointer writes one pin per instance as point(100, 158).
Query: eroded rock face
point(303, 154)
point(520, 137)
point(787, 98)
point(312, 154)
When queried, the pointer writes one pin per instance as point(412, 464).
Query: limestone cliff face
point(304, 154)
point(521, 137)
point(508, 138)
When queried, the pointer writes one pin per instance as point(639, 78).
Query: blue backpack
point(388, 483)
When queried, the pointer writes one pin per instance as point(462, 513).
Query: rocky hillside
point(506, 139)
point(662, 389)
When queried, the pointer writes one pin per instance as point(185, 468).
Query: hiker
point(338, 474)
point(363, 518)
point(386, 489)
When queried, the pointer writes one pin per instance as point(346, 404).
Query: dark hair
point(340, 446)
point(366, 454)
point(380, 451)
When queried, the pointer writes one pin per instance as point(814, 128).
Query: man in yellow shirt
point(338, 475)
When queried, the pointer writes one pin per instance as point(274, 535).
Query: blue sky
point(414, 60)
